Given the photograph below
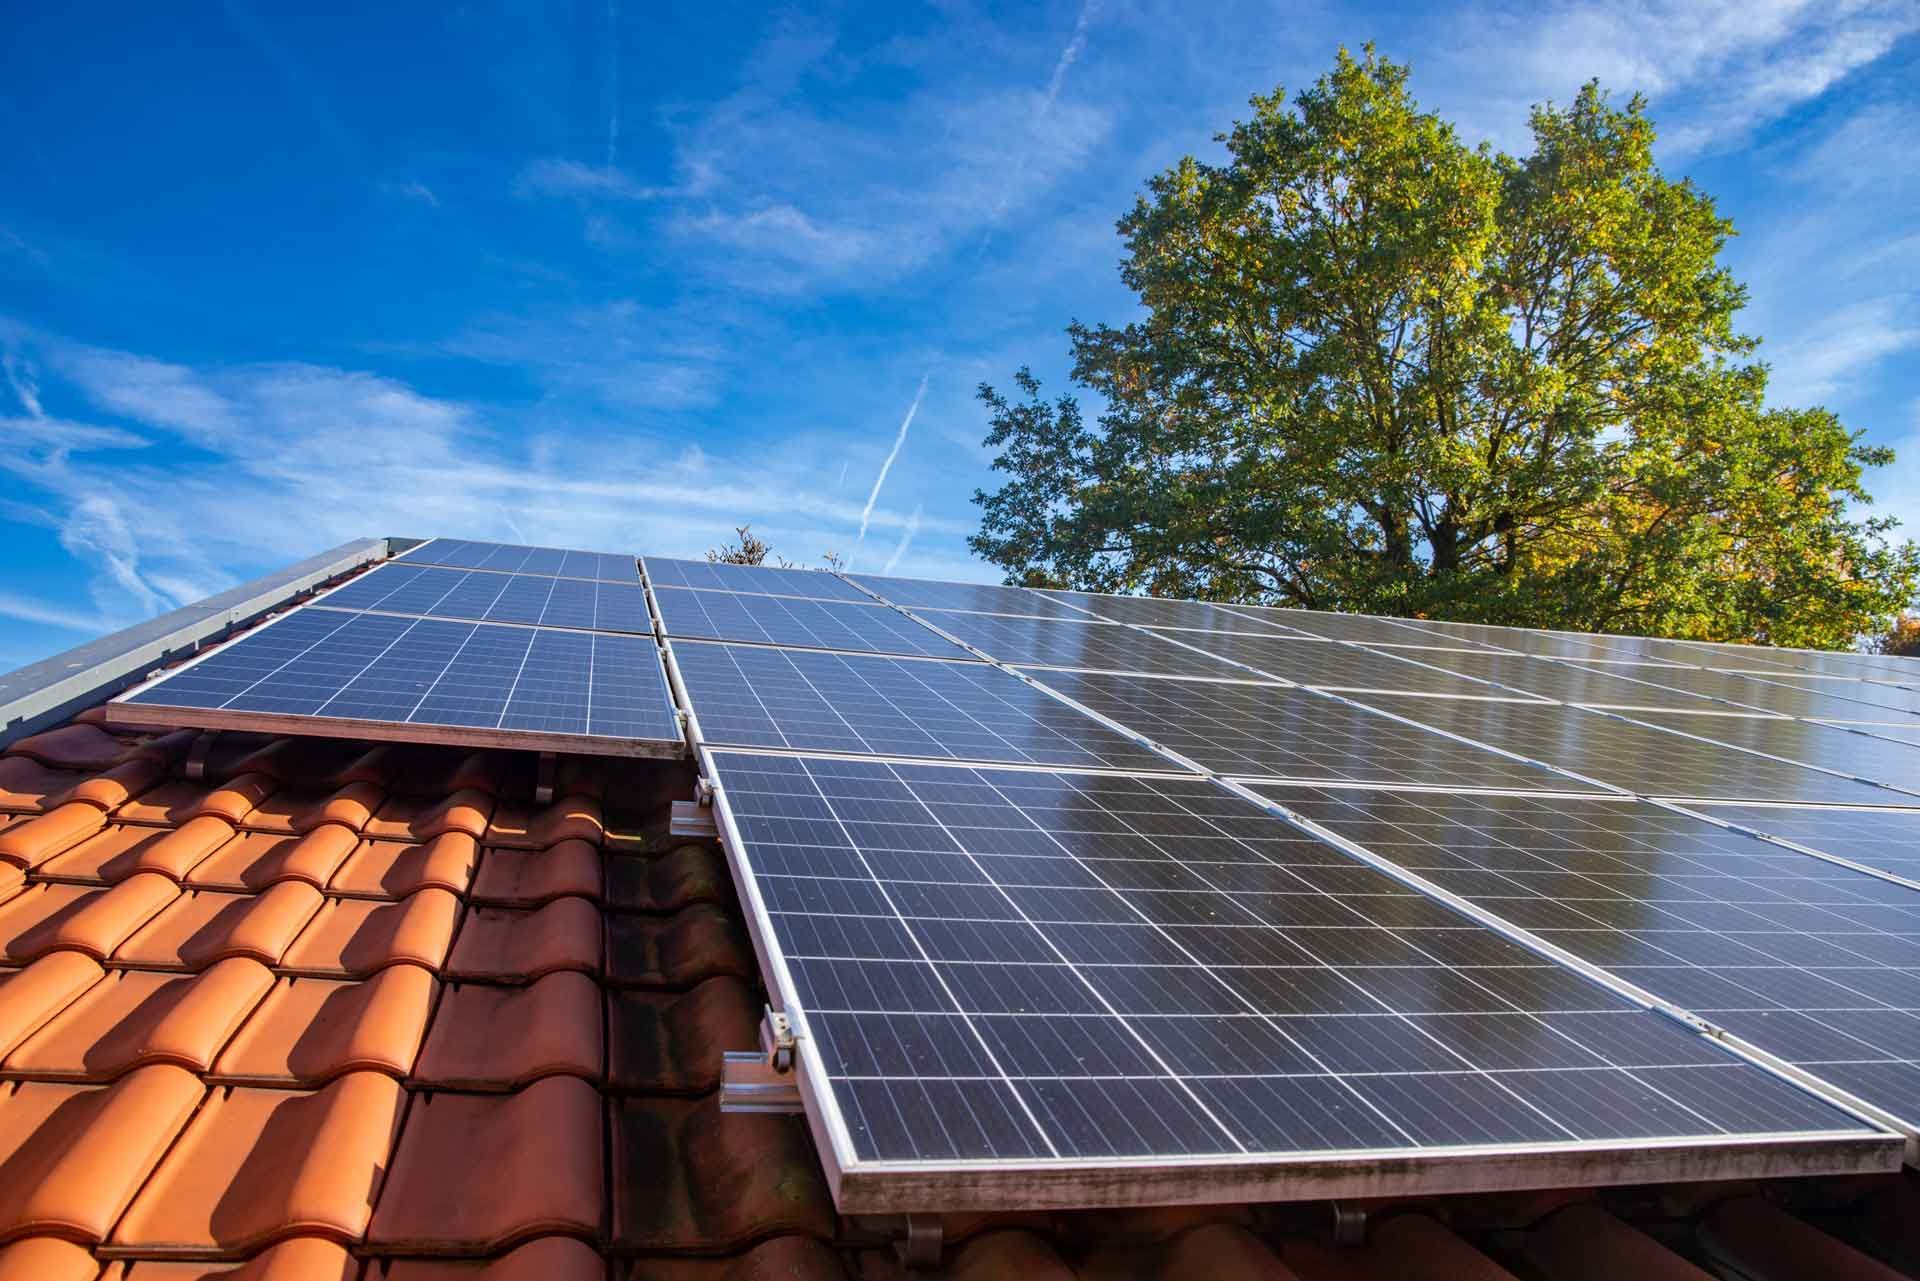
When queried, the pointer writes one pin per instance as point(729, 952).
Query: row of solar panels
point(1205, 891)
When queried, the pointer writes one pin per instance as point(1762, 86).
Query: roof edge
point(49, 691)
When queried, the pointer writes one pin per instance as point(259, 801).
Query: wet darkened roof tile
point(500, 1038)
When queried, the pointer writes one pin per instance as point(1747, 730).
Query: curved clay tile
point(29, 997)
point(120, 784)
point(353, 937)
point(407, 818)
point(498, 1038)
point(72, 1156)
point(686, 1177)
point(674, 1043)
point(27, 786)
point(1008, 1253)
point(476, 1173)
point(395, 869)
point(688, 874)
point(571, 818)
point(696, 943)
point(136, 1017)
point(1414, 1246)
point(300, 1259)
point(47, 918)
point(73, 746)
point(237, 797)
point(1227, 1251)
point(292, 812)
point(12, 878)
point(1583, 1242)
point(204, 926)
point(257, 1166)
point(547, 1259)
point(309, 1031)
point(47, 1259)
point(113, 855)
point(170, 804)
point(511, 946)
point(32, 843)
point(255, 860)
point(513, 878)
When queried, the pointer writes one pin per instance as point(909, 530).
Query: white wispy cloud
point(906, 539)
point(414, 190)
point(1846, 345)
point(27, 609)
point(886, 465)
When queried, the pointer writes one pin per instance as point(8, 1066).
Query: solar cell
point(1629, 755)
point(1328, 665)
point(1887, 840)
point(494, 597)
point(1857, 755)
point(815, 701)
point(511, 558)
point(792, 620)
point(1810, 961)
point(979, 598)
point(764, 579)
point(1277, 731)
point(992, 965)
point(366, 675)
point(1612, 685)
point(1840, 700)
point(1107, 647)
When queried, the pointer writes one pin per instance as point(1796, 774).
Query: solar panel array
point(518, 646)
point(1049, 881)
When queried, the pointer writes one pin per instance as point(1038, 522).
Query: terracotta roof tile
point(33, 843)
point(44, 918)
point(547, 1259)
point(675, 1043)
point(411, 818)
point(47, 1259)
point(27, 786)
point(120, 851)
point(1585, 1243)
point(395, 869)
point(73, 746)
point(292, 811)
point(354, 937)
point(72, 1156)
point(476, 1173)
point(437, 772)
point(1017, 1253)
point(29, 997)
point(789, 1258)
point(169, 805)
point(1401, 1247)
point(688, 874)
point(499, 1038)
point(513, 946)
point(319, 762)
point(255, 860)
point(571, 818)
point(12, 878)
point(114, 788)
point(688, 1178)
point(677, 951)
point(204, 926)
point(514, 878)
point(235, 799)
point(1751, 1237)
point(309, 1031)
point(259, 1165)
point(301, 1259)
point(133, 1018)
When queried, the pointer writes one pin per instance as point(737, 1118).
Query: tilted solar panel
point(493, 597)
point(1329, 665)
point(1885, 840)
point(512, 558)
point(1014, 984)
point(790, 620)
point(1152, 611)
point(1858, 755)
point(979, 598)
point(1095, 646)
point(1837, 700)
point(765, 579)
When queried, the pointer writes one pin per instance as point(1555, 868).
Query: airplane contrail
point(899, 441)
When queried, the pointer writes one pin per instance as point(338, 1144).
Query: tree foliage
point(749, 550)
point(1380, 370)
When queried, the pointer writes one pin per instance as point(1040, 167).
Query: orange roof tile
point(117, 786)
point(674, 1042)
point(73, 746)
point(354, 937)
point(309, 1031)
point(676, 951)
point(476, 1173)
point(120, 851)
point(412, 818)
point(255, 860)
point(259, 1165)
point(571, 818)
point(43, 918)
point(133, 1018)
point(293, 811)
point(72, 1156)
point(547, 1259)
point(512, 946)
point(687, 874)
point(27, 786)
point(301, 1259)
point(47, 1259)
point(395, 869)
point(512, 878)
point(33, 843)
point(29, 997)
point(170, 804)
point(204, 926)
point(497, 1038)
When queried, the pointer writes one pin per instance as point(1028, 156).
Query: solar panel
point(1156, 612)
point(815, 584)
point(809, 700)
point(1609, 685)
point(989, 967)
point(1636, 757)
point(1863, 756)
point(1277, 731)
point(492, 597)
point(1812, 962)
point(512, 558)
point(792, 620)
point(326, 671)
point(978, 598)
point(1327, 665)
point(1106, 647)
point(1364, 629)
point(1886, 840)
point(1841, 700)
point(1758, 658)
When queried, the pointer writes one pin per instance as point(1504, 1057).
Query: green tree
point(1380, 370)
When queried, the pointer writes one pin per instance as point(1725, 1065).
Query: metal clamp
point(776, 1040)
point(543, 784)
point(922, 1242)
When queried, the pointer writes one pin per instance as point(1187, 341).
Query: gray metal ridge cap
point(41, 694)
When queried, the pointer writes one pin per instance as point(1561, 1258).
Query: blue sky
point(621, 276)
